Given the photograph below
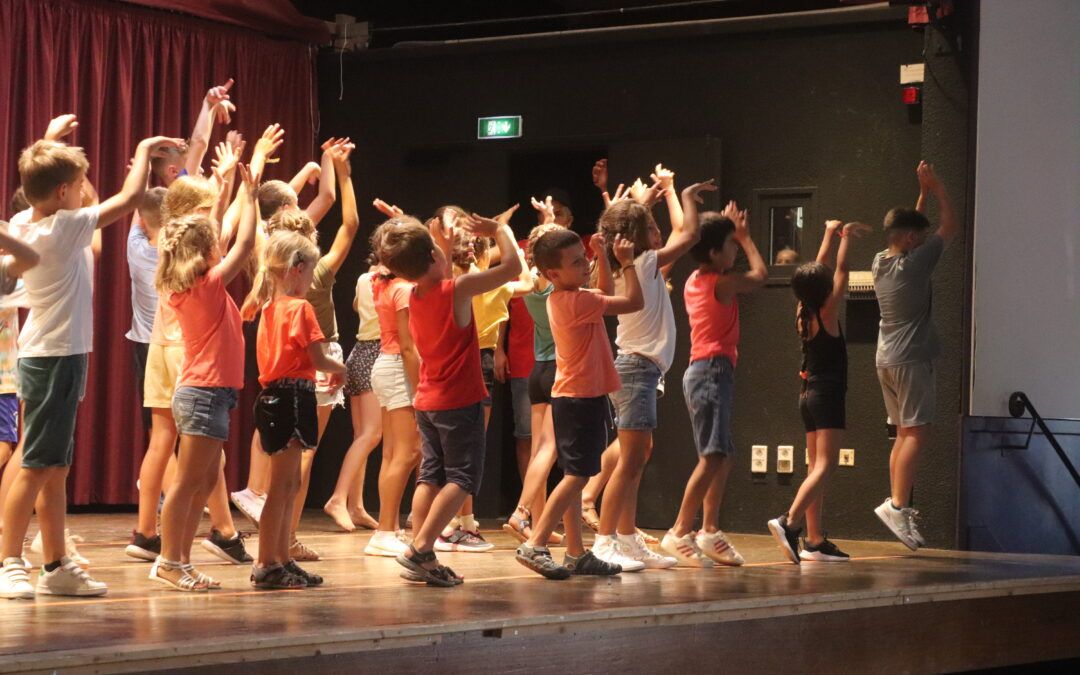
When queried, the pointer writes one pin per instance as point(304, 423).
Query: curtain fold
point(130, 73)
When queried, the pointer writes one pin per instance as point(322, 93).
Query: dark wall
point(816, 106)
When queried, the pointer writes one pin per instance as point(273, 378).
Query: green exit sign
point(507, 126)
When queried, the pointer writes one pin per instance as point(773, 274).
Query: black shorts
point(822, 405)
point(452, 447)
point(284, 410)
point(139, 351)
point(581, 433)
point(487, 368)
point(541, 380)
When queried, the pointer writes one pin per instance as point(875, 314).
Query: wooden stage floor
point(366, 616)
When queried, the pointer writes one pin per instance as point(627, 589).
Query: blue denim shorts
point(635, 403)
point(708, 385)
point(9, 418)
point(203, 411)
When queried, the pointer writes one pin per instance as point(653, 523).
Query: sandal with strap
point(449, 574)
point(519, 527)
point(210, 582)
point(276, 577)
point(590, 518)
point(308, 577)
point(185, 582)
point(414, 560)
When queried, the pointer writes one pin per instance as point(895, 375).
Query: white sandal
point(204, 579)
point(185, 583)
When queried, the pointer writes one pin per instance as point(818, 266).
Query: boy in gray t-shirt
point(907, 341)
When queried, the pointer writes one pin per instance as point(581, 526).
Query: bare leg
point(306, 460)
point(274, 536)
point(152, 471)
point(220, 515)
point(398, 465)
point(196, 473)
point(11, 469)
point(608, 461)
point(905, 461)
point(634, 447)
point(564, 499)
point(445, 504)
point(259, 469)
point(534, 486)
point(19, 506)
point(824, 456)
point(346, 505)
point(710, 515)
point(523, 451)
point(694, 495)
point(51, 508)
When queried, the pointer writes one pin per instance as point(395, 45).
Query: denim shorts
point(203, 411)
point(708, 385)
point(286, 410)
point(9, 418)
point(519, 395)
point(635, 403)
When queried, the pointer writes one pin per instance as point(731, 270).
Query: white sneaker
point(685, 550)
point(69, 547)
point(898, 521)
point(15, 580)
point(633, 546)
point(913, 530)
point(249, 504)
point(607, 549)
point(716, 546)
point(385, 544)
point(462, 540)
point(69, 579)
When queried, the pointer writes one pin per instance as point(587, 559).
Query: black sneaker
point(229, 550)
point(539, 560)
point(144, 548)
point(787, 538)
point(826, 551)
point(587, 563)
point(309, 578)
point(276, 577)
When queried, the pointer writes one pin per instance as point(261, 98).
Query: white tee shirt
point(365, 307)
point(142, 257)
point(649, 332)
point(60, 287)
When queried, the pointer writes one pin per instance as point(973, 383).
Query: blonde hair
point(46, 165)
point(186, 195)
point(273, 196)
point(283, 251)
point(292, 220)
point(185, 249)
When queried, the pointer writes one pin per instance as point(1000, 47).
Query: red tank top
point(450, 375)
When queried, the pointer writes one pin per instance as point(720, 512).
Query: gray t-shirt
point(905, 294)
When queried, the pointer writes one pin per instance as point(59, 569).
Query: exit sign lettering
point(507, 126)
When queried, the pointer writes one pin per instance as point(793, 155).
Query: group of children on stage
point(433, 338)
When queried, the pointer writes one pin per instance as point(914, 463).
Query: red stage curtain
point(129, 73)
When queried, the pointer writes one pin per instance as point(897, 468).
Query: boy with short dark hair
point(449, 412)
point(585, 375)
point(53, 354)
point(908, 342)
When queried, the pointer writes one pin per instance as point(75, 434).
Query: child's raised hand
point(620, 194)
point(664, 177)
point(219, 94)
point(479, 226)
point(341, 151)
point(928, 180)
point(225, 160)
point(623, 249)
point(270, 141)
point(833, 225)
point(599, 175)
point(546, 209)
point(223, 112)
point(388, 210)
point(251, 180)
point(60, 126)
point(646, 195)
point(442, 232)
point(856, 230)
point(236, 140)
point(316, 172)
point(694, 192)
point(597, 243)
point(504, 217)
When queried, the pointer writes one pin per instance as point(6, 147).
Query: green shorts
point(51, 388)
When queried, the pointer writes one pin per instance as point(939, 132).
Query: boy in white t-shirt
point(53, 351)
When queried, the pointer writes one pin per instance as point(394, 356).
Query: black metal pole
point(1018, 402)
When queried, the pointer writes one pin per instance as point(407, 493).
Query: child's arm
point(265, 148)
point(680, 242)
point(238, 255)
point(350, 218)
point(502, 364)
point(728, 285)
point(332, 149)
point(605, 282)
point(334, 368)
point(224, 168)
point(475, 283)
point(830, 311)
point(410, 358)
point(494, 257)
point(442, 232)
point(309, 173)
point(204, 126)
point(666, 179)
point(388, 210)
point(125, 201)
point(61, 126)
point(948, 226)
point(19, 256)
point(825, 251)
point(633, 301)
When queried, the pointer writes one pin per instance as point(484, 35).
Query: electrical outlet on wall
point(759, 459)
point(785, 459)
point(847, 457)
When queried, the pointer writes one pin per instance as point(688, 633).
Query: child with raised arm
point(449, 396)
point(289, 348)
point(54, 350)
point(192, 278)
point(168, 164)
point(820, 291)
point(646, 342)
point(908, 342)
point(585, 376)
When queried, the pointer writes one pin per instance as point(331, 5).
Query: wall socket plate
point(847, 457)
point(759, 459)
point(785, 459)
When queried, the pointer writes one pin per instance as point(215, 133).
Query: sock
point(469, 524)
point(49, 567)
point(455, 523)
point(894, 506)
